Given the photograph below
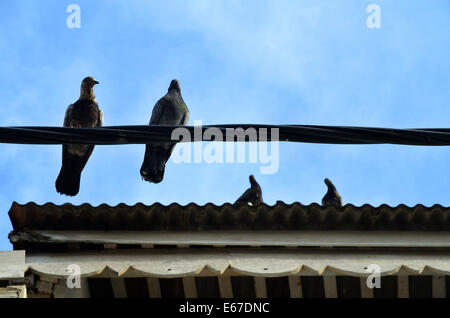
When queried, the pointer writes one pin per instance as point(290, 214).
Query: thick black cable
point(120, 135)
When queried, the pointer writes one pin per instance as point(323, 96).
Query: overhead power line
point(120, 135)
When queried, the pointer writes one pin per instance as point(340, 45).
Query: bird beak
point(95, 82)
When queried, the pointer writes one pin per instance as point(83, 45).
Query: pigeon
point(332, 197)
point(84, 113)
point(169, 110)
point(253, 195)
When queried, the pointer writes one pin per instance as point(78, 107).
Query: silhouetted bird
point(169, 110)
point(253, 195)
point(84, 113)
point(332, 197)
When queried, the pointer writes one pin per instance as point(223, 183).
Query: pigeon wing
point(245, 197)
point(68, 115)
point(100, 118)
point(169, 111)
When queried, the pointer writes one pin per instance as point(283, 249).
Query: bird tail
point(152, 169)
point(68, 181)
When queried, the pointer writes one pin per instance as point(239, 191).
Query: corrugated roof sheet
point(193, 217)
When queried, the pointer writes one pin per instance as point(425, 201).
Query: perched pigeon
point(332, 197)
point(253, 195)
point(169, 110)
point(84, 113)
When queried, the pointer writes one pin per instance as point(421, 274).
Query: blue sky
point(255, 61)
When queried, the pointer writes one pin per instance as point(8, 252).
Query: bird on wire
point(332, 197)
point(253, 195)
point(169, 110)
point(84, 113)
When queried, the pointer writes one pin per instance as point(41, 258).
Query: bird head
point(252, 180)
point(89, 82)
point(328, 183)
point(174, 84)
point(87, 88)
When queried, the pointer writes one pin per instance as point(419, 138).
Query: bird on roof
point(332, 197)
point(253, 195)
point(169, 110)
point(84, 113)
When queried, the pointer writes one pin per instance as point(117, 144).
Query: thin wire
point(145, 134)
